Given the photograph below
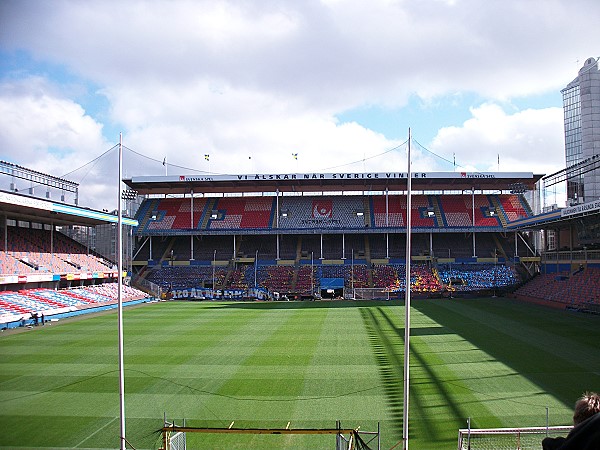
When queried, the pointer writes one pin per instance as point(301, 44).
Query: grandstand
point(472, 233)
point(45, 272)
point(242, 232)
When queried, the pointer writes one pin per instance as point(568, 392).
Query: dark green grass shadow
point(387, 341)
point(555, 350)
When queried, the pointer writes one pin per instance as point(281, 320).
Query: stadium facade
point(581, 106)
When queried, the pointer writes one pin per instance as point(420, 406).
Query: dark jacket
point(585, 436)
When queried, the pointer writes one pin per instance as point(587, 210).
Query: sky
point(253, 83)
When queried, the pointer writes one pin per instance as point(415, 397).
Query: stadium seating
point(340, 212)
point(12, 265)
point(15, 305)
point(306, 280)
point(515, 207)
point(238, 280)
point(242, 212)
point(422, 211)
point(470, 277)
point(32, 250)
point(322, 212)
point(275, 278)
point(396, 211)
point(385, 276)
point(180, 277)
point(578, 290)
point(175, 214)
point(457, 210)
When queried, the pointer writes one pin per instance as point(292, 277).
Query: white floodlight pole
point(120, 298)
point(407, 305)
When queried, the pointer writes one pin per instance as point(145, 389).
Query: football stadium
point(269, 311)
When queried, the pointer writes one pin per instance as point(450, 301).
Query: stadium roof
point(558, 218)
point(334, 182)
point(26, 208)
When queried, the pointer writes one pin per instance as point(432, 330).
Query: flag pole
point(120, 299)
point(407, 304)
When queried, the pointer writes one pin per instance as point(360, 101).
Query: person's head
point(586, 407)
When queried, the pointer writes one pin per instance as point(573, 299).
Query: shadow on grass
point(387, 341)
point(521, 337)
point(388, 353)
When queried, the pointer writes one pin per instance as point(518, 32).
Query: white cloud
point(526, 141)
point(333, 55)
point(45, 132)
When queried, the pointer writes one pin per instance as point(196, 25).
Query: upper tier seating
point(241, 212)
point(514, 206)
point(322, 212)
point(32, 250)
point(175, 214)
point(354, 212)
point(396, 211)
point(458, 211)
point(422, 211)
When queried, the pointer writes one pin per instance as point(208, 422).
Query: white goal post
point(529, 438)
point(174, 437)
point(370, 294)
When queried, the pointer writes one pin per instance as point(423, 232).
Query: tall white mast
point(407, 305)
point(120, 299)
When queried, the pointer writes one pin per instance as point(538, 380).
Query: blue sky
point(251, 83)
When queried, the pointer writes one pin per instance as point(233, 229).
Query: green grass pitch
point(497, 361)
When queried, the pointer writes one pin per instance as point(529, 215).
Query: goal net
point(507, 438)
point(177, 441)
point(174, 437)
point(370, 294)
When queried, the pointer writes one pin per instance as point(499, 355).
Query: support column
point(430, 244)
point(321, 257)
point(192, 225)
point(277, 221)
point(473, 211)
